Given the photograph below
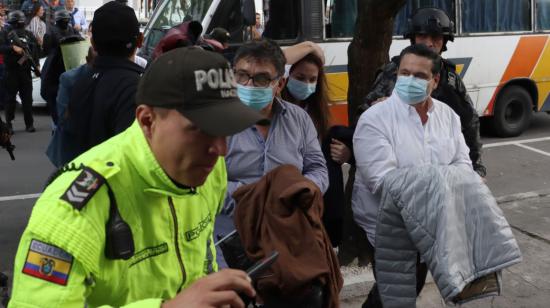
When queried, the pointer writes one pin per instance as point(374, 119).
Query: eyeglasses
point(260, 80)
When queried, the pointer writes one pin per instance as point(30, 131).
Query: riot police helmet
point(16, 17)
point(62, 15)
point(430, 21)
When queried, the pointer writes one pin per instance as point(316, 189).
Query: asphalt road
point(514, 165)
point(521, 164)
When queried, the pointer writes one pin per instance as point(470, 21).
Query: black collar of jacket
point(448, 64)
point(107, 62)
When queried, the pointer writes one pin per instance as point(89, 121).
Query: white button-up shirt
point(390, 135)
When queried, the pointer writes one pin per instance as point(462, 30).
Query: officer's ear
point(145, 116)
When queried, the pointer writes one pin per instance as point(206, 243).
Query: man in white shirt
point(408, 129)
point(78, 20)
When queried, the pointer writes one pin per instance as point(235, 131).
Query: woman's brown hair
point(35, 8)
point(316, 103)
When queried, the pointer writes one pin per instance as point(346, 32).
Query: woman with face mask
point(306, 87)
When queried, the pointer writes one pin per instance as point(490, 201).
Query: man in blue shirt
point(290, 138)
point(78, 20)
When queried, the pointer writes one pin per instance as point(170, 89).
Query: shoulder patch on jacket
point(83, 188)
point(48, 262)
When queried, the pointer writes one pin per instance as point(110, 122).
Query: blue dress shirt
point(292, 139)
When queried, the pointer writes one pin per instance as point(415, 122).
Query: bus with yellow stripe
point(501, 48)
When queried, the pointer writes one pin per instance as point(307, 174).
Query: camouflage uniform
point(451, 91)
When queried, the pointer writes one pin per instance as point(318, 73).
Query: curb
point(359, 280)
point(523, 196)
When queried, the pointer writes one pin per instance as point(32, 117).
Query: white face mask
point(411, 90)
point(300, 90)
point(254, 97)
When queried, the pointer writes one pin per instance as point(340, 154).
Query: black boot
point(373, 299)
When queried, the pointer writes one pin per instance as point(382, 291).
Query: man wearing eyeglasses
point(290, 138)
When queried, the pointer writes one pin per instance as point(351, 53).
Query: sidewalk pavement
point(524, 285)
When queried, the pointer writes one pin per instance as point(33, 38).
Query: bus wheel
point(513, 112)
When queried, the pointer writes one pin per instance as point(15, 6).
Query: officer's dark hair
point(265, 50)
point(424, 51)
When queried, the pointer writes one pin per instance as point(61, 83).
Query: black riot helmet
point(16, 18)
point(62, 18)
point(430, 21)
point(62, 15)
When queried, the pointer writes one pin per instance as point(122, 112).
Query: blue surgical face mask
point(255, 98)
point(300, 90)
point(411, 90)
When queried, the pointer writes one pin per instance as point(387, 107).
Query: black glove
point(4, 294)
point(233, 252)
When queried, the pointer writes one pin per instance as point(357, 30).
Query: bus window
point(496, 15)
point(283, 19)
point(174, 12)
point(229, 16)
point(402, 18)
point(340, 18)
point(340, 15)
point(543, 14)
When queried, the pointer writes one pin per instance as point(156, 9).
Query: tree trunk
point(367, 52)
point(369, 48)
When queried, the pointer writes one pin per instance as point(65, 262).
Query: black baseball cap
point(116, 23)
point(201, 86)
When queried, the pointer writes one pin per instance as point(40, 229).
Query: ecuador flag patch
point(48, 262)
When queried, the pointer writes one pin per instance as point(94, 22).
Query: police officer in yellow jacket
point(130, 222)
